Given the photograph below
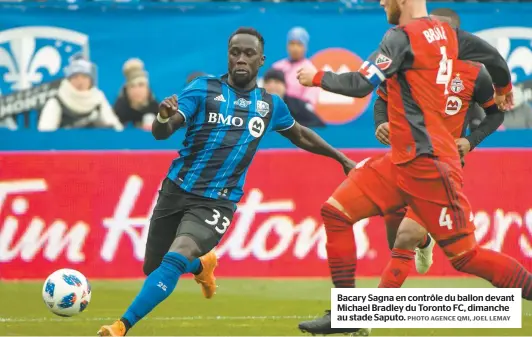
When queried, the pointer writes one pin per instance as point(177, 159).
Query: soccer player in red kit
point(416, 58)
point(470, 84)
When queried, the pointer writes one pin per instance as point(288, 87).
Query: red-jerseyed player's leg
point(499, 269)
point(397, 269)
point(338, 220)
point(409, 234)
point(392, 222)
point(446, 213)
point(365, 193)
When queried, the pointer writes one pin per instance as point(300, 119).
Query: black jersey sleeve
point(483, 95)
point(383, 63)
point(483, 91)
point(473, 48)
point(380, 112)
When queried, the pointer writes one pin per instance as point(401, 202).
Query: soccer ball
point(66, 292)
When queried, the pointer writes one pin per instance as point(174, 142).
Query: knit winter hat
point(79, 66)
point(134, 72)
point(300, 35)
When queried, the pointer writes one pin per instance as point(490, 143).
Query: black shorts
point(178, 212)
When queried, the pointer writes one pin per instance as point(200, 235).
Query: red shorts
point(413, 216)
point(376, 179)
point(432, 188)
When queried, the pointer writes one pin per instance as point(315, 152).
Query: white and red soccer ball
point(66, 292)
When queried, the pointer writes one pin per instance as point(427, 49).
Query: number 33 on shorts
point(219, 226)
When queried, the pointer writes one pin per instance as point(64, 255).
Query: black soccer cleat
point(322, 326)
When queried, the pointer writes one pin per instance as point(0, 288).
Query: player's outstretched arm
point(310, 141)
point(382, 64)
point(348, 84)
point(473, 48)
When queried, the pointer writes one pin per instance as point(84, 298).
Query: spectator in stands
point(298, 39)
point(303, 113)
point(78, 103)
point(136, 105)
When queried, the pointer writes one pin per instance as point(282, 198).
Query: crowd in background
point(80, 104)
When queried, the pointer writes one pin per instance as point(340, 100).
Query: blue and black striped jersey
point(224, 128)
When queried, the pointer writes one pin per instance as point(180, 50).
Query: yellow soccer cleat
point(114, 330)
point(206, 278)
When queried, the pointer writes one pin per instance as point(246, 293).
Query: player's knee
point(186, 246)
point(461, 261)
point(334, 205)
point(459, 248)
point(334, 219)
point(408, 237)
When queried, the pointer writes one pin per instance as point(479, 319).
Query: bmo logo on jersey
point(218, 118)
point(453, 106)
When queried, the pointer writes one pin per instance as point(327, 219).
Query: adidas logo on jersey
point(220, 98)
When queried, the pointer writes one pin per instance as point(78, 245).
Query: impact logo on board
point(333, 108)
point(515, 45)
point(35, 54)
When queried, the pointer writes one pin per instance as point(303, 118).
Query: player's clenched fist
point(305, 76)
point(168, 107)
point(383, 133)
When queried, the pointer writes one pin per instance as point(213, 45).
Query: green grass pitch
point(242, 307)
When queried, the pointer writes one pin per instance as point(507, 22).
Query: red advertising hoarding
point(90, 211)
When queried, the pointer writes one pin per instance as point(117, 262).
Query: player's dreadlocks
point(448, 13)
point(249, 31)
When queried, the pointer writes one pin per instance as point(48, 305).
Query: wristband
point(316, 81)
point(503, 90)
point(162, 120)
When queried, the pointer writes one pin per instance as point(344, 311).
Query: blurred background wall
point(79, 193)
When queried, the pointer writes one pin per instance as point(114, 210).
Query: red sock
point(397, 270)
point(341, 247)
point(499, 269)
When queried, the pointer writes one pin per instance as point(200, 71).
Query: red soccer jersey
point(470, 83)
point(416, 62)
point(418, 94)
